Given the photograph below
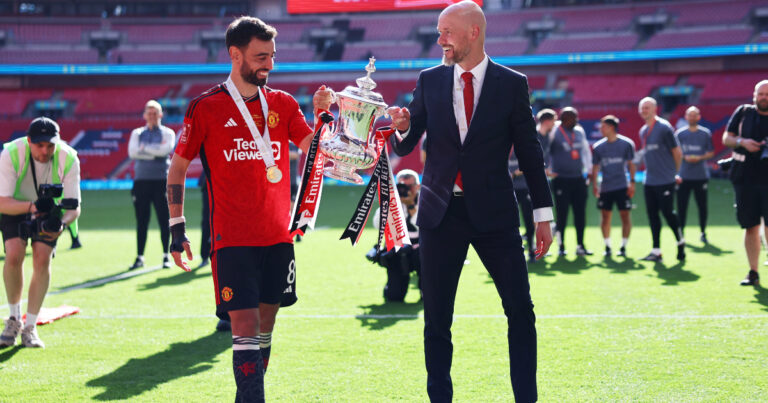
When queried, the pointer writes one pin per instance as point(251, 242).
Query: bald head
point(761, 97)
point(692, 116)
point(461, 27)
point(647, 108)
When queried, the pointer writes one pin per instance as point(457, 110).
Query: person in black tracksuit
point(571, 161)
point(150, 147)
point(696, 143)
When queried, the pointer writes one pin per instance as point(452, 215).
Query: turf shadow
point(709, 248)
point(674, 275)
point(139, 375)
point(621, 266)
point(761, 296)
point(378, 317)
point(8, 353)
point(181, 277)
point(565, 266)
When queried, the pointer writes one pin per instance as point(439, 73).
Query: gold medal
point(273, 174)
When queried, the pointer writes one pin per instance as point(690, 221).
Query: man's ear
point(235, 54)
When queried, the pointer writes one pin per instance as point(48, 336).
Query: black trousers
point(526, 209)
point(570, 192)
point(148, 193)
point(661, 198)
point(699, 188)
point(443, 250)
point(205, 242)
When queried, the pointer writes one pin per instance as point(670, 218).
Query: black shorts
point(9, 225)
point(607, 199)
point(751, 204)
point(245, 276)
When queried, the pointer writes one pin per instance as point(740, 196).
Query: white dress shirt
point(478, 77)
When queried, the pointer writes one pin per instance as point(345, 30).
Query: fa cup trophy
point(351, 145)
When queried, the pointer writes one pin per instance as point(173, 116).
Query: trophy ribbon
point(305, 209)
point(262, 142)
point(392, 226)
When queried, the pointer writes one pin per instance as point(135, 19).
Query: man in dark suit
point(467, 196)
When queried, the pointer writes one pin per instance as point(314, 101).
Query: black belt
point(458, 194)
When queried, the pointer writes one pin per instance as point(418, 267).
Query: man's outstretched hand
point(543, 238)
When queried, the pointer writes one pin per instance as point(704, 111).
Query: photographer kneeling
point(400, 264)
point(37, 200)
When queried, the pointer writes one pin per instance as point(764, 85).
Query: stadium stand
point(726, 87)
point(614, 89)
point(382, 51)
point(160, 54)
point(14, 102)
point(707, 36)
point(48, 54)
point(112, 100)
point(592, 42)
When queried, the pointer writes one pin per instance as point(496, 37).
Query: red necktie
point(469, 106)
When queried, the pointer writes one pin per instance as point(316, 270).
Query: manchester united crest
point(226, 294)
point(273, 119)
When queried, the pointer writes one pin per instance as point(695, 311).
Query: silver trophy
point(352, 144)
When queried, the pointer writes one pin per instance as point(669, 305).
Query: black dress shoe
point(752, 278)
point(562, 252)
point(582, 251)
point(76, 243)
point(607, 252)
point(622, 252)
point(139, 263)
point(703, 238)
point(652, 258)
point(681, 252)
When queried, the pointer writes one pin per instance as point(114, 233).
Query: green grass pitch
point(619, 330)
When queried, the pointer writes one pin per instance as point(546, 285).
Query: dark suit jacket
point(502, 117)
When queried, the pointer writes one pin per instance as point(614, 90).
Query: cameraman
point(20, 201)
point(400, 264)
point(746, 134)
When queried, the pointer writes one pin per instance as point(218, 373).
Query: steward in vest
point(31, 168)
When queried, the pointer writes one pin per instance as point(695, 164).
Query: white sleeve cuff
point(543, 214)
point(404, 134)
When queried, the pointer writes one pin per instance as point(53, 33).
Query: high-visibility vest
point(21, 155)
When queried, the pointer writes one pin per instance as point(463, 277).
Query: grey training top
point(612, 157)
point(518, 181)
point(560, 147)
point(658, 144)
point(694, 143)
point(151, 149)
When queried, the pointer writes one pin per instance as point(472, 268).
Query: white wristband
point(176, 220)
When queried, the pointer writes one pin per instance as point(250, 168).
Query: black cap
point(43, 129)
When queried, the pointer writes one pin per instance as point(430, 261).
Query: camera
point(49, 218)
point(406, 259)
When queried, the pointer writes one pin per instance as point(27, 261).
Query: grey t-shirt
point(694, 143)
point(561, 144)
point(518, 181)
point(657, 151)
point(612, 157)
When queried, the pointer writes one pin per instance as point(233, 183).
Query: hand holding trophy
point(349, 145)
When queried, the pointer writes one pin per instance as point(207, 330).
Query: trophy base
point(343, 173)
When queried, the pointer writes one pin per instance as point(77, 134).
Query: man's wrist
point(176, 220)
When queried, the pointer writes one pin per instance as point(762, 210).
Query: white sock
point(165, 256)
point(140, 257)
point(624, 242)
point(656, 251)
point(608, 242)
point(15, 310)
point(31, 320)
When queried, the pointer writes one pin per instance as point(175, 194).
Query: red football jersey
point(246, 209)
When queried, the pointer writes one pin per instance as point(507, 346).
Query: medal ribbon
point(261, 141)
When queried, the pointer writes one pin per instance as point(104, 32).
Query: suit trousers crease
point(443, 251)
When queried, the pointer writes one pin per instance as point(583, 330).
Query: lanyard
point(648, 133)
point(261, 141)
point(569, 140)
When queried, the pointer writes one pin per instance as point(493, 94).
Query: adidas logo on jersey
point(230, 123)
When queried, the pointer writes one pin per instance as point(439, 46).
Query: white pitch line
point(96, 283)
point(460, 316)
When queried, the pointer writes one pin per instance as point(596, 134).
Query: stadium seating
point(48, 55)
point(159, 33)
point(707, 36)
point(14, 102)
point(729, 87)
point(710, 13)
point(383, 27)
point(587, 43)
point(157, 54)
point(112, 100)
point(612, 89)
point(26, 33)
point(382, 51)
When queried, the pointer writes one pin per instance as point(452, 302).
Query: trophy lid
point(365, 86)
